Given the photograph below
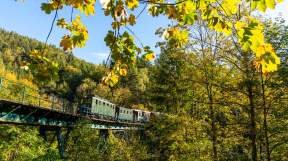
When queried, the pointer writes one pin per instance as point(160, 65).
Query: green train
point(100, 108)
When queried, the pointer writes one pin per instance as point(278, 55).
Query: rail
point(28, 96)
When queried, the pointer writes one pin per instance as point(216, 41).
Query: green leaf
point(188, 19)
point(47, 7)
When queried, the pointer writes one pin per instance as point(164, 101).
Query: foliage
point(177, 138)
point(24, 144)
point(219, 15)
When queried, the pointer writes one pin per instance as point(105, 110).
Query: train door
point(117, 110)
point(135, 116)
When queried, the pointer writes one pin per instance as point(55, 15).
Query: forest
point(216, 105)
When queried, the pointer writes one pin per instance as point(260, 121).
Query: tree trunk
point(213, 123)
point(265, 120)
point(253, 124)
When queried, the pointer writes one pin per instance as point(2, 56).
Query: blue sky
point(26, 18)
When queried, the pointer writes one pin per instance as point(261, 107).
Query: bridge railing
point(26, 95)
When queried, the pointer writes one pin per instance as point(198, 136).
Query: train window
point(139, 114)
point(130, 112)
point(120, 111)
point(99, 102)
point(103, 103)
point(107, 105)
point(127, 112)
point(96, 102)
point(124, 112)
point(111, 106)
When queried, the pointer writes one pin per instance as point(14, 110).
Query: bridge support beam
point(61, 139)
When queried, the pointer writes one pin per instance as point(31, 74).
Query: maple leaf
point(131, 20)
point(123, 71)
point(165, 35)
point(152, 9)
point(47, 7)
point(270, 3)
point(62, 23)
point(66, 43)
point(171, 12)
point(113, 80)
point(149, 56)
point(120, 12)
point(131, 4)
point(88, 9)
point(104, 3)
point(116, 24)
point(189, 18)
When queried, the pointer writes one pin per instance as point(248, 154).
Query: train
point(100, 108)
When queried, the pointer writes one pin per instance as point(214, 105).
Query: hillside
point(76, 76)
point(14, 49)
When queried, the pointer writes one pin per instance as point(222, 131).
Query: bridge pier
point(61, 139)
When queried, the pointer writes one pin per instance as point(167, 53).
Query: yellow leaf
point(66, 43)
point(78, 18)
point(123, 71)
point(218, 27)
point(240, 24)
point(203, 5)
point(149, 56)
point(114, 79)
point(131, 4)
point(232, 5)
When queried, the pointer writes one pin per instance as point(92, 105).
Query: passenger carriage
point(124, 114)
point(98, 107)
point(140, 115)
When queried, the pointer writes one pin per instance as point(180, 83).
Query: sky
point(27, 19)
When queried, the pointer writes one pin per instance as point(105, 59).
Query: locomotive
point(100, 108)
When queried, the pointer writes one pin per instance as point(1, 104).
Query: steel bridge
point(23, 105)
